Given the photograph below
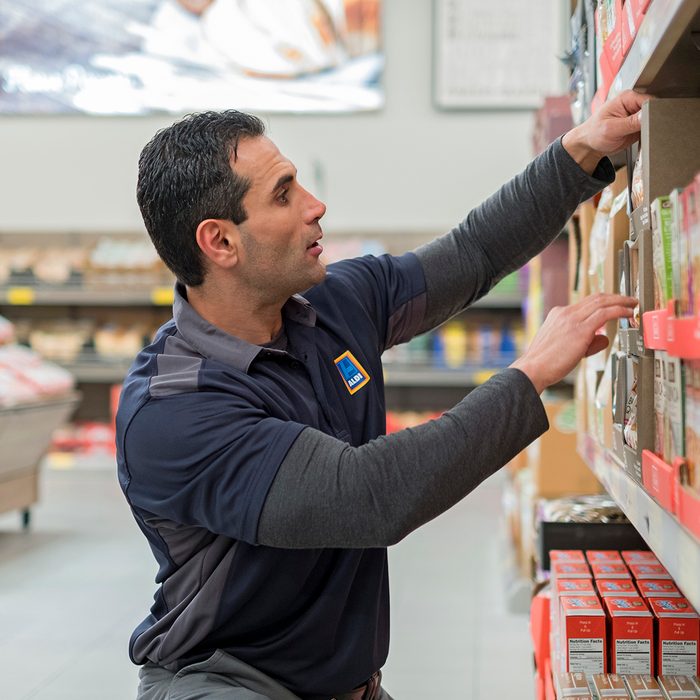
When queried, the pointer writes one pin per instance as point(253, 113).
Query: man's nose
point(315, 208)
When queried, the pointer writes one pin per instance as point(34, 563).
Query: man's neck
point(237, 312)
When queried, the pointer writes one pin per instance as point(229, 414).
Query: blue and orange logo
point(354, 375)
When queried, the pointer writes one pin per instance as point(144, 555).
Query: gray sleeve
point(507, 230)
point(330, 494)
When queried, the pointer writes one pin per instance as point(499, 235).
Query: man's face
point(279, 251)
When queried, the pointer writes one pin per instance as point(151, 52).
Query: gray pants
point(220, 677)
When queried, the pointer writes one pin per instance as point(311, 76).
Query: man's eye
point(282, 198)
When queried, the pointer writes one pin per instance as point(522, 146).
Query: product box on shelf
point(642, 687)
point(639, 556)
point(608, 685)
point(572, 685)
point(557, 468)
point(573, 586)
point(677, 630)
point(676, 687)
point(638, 278)
point(651, 588)
point(570, 569)
point(569, 555)
point(610, 570)
point(603, 556)
point(582, 636)
point(610, 588)
point(649, 571)
point(634, 412)
point(630, 635)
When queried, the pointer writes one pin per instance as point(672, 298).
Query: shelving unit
point(663, 58)
point(676, 548)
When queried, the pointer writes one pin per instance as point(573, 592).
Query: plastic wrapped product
point(637, 183)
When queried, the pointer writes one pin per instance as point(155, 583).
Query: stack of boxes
point(618, 613)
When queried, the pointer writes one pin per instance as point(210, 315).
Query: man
point(250, 433)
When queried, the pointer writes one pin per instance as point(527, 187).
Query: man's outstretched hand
point(569, 334)
point(613, 127)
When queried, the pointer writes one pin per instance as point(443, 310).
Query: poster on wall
point(131, 57)
point(499, 54)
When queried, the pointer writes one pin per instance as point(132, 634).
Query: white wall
point(409, 167)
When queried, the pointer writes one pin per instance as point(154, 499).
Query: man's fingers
point(632, 101)
point(600, 301)
point(607, 313)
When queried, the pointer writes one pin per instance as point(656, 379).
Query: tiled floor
point(72, 589)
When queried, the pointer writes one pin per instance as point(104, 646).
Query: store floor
point(72, 589)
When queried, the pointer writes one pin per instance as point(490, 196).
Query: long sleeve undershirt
point(330, 494)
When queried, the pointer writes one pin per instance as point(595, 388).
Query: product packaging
point(650, 588)
point(676, 687)
point(660, 360)
point(662, 243)
point(630, 635)
point(639, 556)
point(610, 570)
point(603, 556)
point(608, 685)
point(642, 687)
point(570, 555)
point(582, 637)
point(572, 685)
point(674, 399)
point(573, 569)
point(608, 588)
point(649, 571)
point(677, 631)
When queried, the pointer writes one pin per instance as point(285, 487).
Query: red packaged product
point(651, 588)
point(610, 570)
point(630, 635)
point(677, 636)
point(616, 588)
point(650, 571)
point(582, 637)
point(603, 556)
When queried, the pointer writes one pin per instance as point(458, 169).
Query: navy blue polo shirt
point(204, 422)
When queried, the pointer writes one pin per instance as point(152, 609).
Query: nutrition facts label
point(679, 658)
point(633, 656)
point(586, 656)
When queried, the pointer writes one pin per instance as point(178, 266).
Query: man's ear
point(218, 240)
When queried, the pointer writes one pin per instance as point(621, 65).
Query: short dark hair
point(185, 176)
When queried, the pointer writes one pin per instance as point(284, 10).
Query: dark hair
point(185, 176)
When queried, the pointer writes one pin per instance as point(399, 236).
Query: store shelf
point(93, 369)
point(425, 376)
point(677, 550)
point(663, 59)
point(77, 295)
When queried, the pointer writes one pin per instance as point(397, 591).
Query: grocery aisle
point(72, 589)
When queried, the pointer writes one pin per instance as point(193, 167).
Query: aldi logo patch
point(353, 373)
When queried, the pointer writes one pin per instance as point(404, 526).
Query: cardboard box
point(608, 685)
point(572, 685)
point(603, 556)
point(649, 571)
point(582, 637)
point(655, 588)
point(557, 469)
point(677, 636)
point(671, 145)
point(630, 635)
point(639, 556)
point(674, 687)
point(643, 687)
point(609, 588)
point(609, 570)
